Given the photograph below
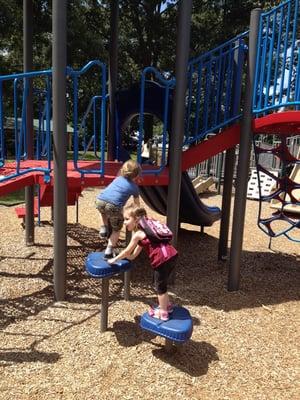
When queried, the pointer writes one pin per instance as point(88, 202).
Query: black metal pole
point(219, 171)
point(244, 160)
point(127, 285)
point(59, 14)
point(113, 76)
point(230, 158)
point(178, 114)
point(104, 305)
point(28, 66)
point(127, 273)
point(226, 203)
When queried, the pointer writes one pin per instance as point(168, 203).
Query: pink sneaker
point(159, 314)
point(170, 307)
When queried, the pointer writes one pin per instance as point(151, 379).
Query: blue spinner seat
point(98, 267)
point(178, 328)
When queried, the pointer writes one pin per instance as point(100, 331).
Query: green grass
point(89, 156)
point(13, 199)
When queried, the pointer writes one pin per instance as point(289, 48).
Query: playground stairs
point(46, 199)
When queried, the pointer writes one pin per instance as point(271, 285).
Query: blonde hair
point(130, 169)
point(136, 212)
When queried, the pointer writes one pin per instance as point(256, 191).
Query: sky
point(167, 3)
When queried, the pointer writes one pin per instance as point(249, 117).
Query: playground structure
point(214, 81)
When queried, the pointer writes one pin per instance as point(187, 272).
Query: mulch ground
point(245, 344)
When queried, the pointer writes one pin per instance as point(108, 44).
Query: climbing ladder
point(286, 192)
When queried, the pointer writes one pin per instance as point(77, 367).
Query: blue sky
point(165, 4)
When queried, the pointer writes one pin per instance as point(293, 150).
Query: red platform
point(74, 178)
point(281, 123)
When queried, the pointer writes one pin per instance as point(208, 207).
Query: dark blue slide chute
point(192, 209)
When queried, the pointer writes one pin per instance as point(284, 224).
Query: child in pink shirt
point(162, 257)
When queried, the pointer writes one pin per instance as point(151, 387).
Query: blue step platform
point(98, 267)
point(178, 328)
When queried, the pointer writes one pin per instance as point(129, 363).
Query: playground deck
point(74, 177)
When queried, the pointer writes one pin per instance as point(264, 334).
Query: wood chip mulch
point(245, 344)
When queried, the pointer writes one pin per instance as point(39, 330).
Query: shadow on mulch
point(266, 278)
point(202, 354)
point(130, 334)
point(18, 357)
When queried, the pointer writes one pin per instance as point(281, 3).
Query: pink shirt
point(158, 253)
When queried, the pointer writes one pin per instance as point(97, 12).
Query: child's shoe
point(159, 314)
point(108, 253)
point(116, 251)
point(108, 256)
point(170, 307)
point(103, 232)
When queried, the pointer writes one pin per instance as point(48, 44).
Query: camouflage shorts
point(113, 213)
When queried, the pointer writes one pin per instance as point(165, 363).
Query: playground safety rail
point(44, 118)
point(214, 88)
point(168, 85)
point(75, 75)
point(92, 107)
point(22, 80)
point(277, 78)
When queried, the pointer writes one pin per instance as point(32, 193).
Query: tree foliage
point(146, 36)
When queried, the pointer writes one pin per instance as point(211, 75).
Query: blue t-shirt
point(119, 191)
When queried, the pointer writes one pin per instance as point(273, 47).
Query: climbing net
point(285, 195)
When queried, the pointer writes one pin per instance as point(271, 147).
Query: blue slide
point(192, 209)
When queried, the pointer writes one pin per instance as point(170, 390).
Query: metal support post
point(112, 79)
point(230, 158)
point(244, 160)
point(28, 66)
point(226, 203)
point(178, 113)
point(219, 171)
point(127, 273)
point(59, 13)
point(127, 285)
point(104, 304)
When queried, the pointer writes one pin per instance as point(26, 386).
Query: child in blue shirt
point(111, 200)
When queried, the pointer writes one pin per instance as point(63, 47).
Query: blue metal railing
point(89, 140)
point(167, 85)
point(20, 84)
point(43, 131)
point(213, 94)
point(75, 75)
point(214, 89)
point(277, 82)
point(20, 87)
point(19, 128)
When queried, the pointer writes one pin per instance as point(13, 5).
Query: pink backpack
point(155, 230)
